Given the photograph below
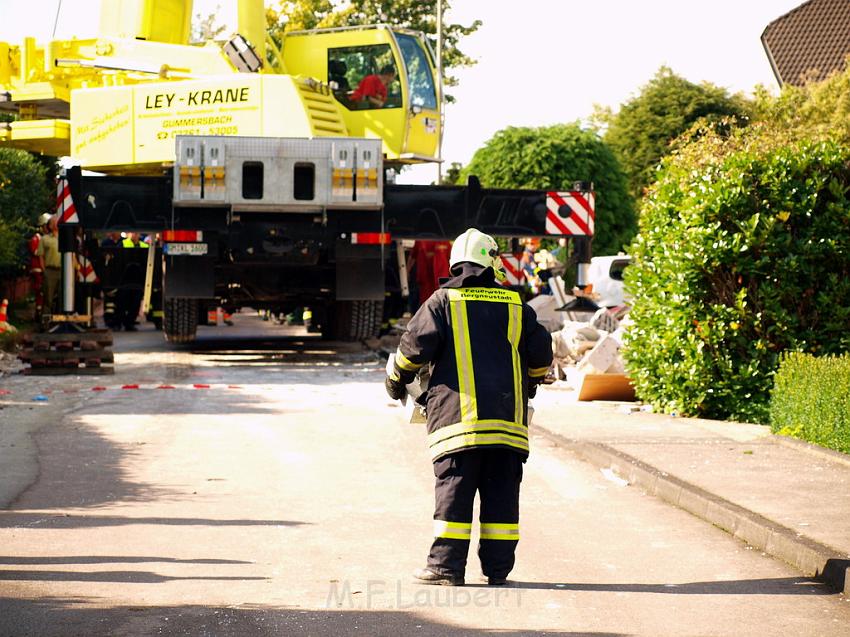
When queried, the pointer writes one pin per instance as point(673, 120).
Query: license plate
point(186, 248)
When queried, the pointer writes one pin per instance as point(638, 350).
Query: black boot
point(494, 581)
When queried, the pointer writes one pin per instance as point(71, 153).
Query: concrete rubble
point(588, 353)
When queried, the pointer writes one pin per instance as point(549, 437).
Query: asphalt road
point(273, 489)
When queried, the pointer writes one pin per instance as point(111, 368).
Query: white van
point(606, 276)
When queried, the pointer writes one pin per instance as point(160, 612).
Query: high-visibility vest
point(485, 348)
point(128, 243)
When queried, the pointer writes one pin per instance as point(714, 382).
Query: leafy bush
point(553, 157)
point(811, 399)
point(24, 195)
point(743, 253)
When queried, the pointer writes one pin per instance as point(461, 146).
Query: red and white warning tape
point(131, 387)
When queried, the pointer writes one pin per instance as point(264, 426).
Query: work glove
point(395, 388)
point(532, 389)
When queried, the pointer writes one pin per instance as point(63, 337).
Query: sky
point(540, 62)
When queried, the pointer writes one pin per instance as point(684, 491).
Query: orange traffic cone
point(4, 323)
point(212, 317)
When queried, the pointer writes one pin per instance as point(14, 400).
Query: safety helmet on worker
point(473, 246)
point(44, 219)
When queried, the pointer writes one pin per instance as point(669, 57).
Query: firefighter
point(486, 354)
point(128, 301)
point(110, 294)
point(37, 264)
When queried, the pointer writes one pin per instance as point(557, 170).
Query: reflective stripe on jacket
point(484, 347)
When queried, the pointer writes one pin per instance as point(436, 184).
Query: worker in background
point(430, 259)
point(547, 267)
point(129, 298)
point(528, 265)
point(372, 89)
point(110, 294)
point(487, 354)
point(37, 264)
point(48, 250)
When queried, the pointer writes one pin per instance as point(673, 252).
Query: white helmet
point(474, 246)
point(44, 219)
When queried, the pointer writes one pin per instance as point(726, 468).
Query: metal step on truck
point(285, 223)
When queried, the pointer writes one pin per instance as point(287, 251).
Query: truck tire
point(353, 320)
point(180, 320)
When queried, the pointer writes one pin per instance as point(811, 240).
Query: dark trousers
point(127, 305)
point(110, 310)
point(495, 474)
point(37, 279)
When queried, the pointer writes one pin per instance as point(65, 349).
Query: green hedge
point(743, 253)
point(811, 399)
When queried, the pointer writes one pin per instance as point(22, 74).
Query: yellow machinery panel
point(139, 128)
point(153, 20)
point(48, 136)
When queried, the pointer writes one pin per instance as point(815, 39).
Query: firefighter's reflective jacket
point(485, 348)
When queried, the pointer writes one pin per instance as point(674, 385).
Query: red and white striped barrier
point(86, 273)
point(513, 271)
point(65, 203)
point(570, 213)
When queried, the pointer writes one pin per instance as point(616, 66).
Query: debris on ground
point(587, 355)
point(9, 364)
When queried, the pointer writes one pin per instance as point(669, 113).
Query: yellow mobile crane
point(261, 170)
point(116, 102)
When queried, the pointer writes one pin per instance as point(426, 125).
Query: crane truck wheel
point(180, 320)
point(353, 320)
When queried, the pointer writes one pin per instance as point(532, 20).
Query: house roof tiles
point(810, 41)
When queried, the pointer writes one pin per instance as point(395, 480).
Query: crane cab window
point(419, 75)
point(366, 77)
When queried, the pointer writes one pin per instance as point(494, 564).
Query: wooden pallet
point(72, 353)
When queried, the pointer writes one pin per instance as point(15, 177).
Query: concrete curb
point(812, 449)
point(811, 558)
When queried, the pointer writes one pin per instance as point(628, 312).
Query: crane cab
point(353, 61)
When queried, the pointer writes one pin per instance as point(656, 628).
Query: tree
point(553, 158)
point(24, 195)
point(641, 131)
point(452, 174)
point(419, 15)
point(205, 29)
